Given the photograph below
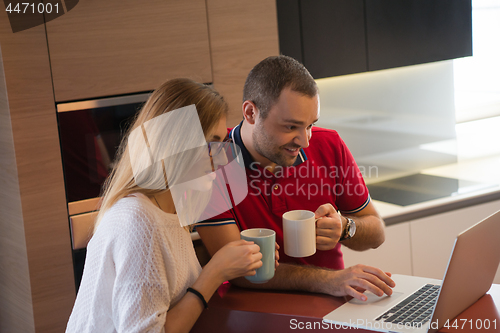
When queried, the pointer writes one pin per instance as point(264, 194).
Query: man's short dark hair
point(268, 78)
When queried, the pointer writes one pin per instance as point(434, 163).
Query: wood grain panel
point(82, 229)
point(112, 47)
point(16, 313)
point(242, 33)
point(42, 197)
point(83, 206)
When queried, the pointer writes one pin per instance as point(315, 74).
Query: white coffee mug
point(299, 233)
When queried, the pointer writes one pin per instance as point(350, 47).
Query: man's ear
point(250, 112)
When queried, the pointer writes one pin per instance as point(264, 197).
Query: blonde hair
point(170, 96)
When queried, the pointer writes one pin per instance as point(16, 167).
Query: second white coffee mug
point(299, 233)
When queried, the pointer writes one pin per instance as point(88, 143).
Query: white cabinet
point(393, 256)
point(432, 238)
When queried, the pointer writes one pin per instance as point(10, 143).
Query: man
point(292, 165)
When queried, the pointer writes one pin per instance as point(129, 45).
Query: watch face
point(352, 228)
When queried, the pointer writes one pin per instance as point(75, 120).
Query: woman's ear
point(250, 112)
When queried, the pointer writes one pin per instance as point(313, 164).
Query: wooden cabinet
point(242, 33)
point(337, 37)
point(104, 48)
point(37, 289)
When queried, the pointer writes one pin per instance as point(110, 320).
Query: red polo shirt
point(324, 172)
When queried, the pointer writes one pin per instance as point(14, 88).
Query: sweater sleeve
point(140, 296)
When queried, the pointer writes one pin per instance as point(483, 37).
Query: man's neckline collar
point(235, 135)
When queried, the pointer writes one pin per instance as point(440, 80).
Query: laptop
point(425, 305)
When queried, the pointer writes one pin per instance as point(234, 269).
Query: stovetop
point(419, 188)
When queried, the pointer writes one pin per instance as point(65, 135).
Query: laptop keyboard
point(415, 309)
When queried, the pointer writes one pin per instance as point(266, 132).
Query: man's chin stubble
point(287, 162)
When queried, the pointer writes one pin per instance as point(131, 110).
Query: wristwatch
point(349, 231)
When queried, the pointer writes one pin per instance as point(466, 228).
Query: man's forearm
point(350, 281)
point(369, 233)
point(295, 277)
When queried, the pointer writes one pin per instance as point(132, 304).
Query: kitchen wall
point(386, 116)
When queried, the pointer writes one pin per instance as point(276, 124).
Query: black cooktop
point(418, 188)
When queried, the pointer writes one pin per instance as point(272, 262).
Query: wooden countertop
point(234, 309)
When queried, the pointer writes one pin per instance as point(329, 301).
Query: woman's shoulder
point(132, 212)
point(134, 205)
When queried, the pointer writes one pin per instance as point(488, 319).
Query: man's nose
point(303, 138)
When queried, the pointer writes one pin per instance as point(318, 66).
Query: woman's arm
point(239, 258)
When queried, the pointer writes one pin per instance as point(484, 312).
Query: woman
point(141, 272)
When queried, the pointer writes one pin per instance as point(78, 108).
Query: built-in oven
point(90, 133)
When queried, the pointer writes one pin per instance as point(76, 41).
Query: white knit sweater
point(139, 263)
